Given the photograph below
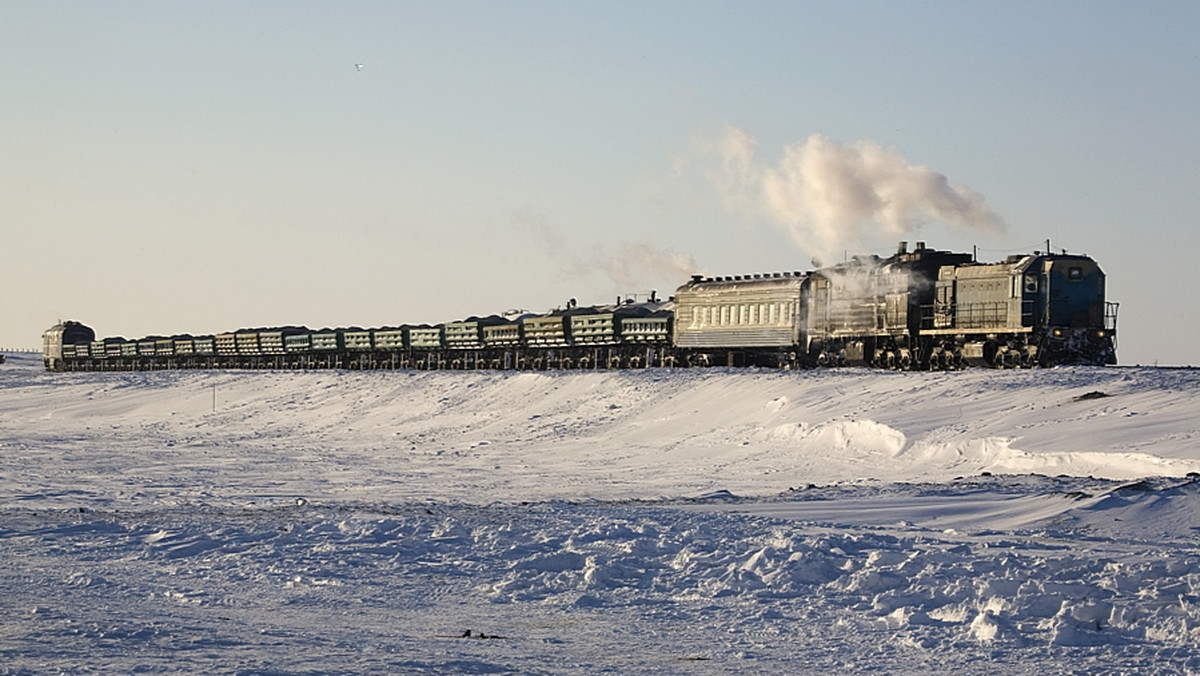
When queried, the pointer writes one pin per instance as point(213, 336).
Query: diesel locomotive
point(922, 309)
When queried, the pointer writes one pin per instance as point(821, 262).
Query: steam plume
point(829, 197)
point(634, 266)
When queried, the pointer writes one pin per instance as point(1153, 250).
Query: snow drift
point(613, 522)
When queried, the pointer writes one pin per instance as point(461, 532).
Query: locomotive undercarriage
point(940, 353)
point(1021, 350)
point(888, 352)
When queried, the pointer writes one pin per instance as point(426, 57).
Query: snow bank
point(701, 522)
point(482, 436)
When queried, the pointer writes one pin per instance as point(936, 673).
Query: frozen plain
point(676, 522)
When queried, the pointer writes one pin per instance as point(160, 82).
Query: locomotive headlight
point(1100, 333)
point(1058, 333)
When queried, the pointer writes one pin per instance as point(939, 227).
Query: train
point(919, 309)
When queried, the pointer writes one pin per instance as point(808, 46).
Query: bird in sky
point(358, 66)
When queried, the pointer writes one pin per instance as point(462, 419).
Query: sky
point(194, 168)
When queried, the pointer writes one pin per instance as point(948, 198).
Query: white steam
point(632, 267)
point(831, 197)
point(634, 264)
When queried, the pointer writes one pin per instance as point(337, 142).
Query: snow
point(682, 522)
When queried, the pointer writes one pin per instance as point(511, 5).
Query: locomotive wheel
point(1001, 359)
point(991, 354)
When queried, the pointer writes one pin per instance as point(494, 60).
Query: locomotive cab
point(1076, 323)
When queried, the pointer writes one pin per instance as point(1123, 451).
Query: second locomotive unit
point(920, 309)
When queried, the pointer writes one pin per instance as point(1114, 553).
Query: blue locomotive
point(921, 309)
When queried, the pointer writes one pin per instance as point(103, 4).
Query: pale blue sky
point(170, 167)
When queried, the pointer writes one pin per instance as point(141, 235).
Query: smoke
point(635, 264)
point(831, 197)
point(632, 267)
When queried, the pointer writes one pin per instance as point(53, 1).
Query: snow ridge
point(705, 522)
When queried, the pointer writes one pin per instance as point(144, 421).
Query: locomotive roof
point(1021, 262)
point(921, 257)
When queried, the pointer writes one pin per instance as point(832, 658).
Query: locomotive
point(922, 309)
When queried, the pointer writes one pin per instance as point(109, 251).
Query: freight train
point(922, 309)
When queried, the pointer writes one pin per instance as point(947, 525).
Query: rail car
point(921, 309)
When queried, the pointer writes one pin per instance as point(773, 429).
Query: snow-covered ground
point(679, 522)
